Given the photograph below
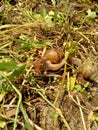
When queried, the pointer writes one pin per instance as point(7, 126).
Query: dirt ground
point(48, 100)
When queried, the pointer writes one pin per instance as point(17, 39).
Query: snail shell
point(88, 70)
point(54, 55)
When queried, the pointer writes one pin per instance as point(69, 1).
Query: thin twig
point(63, 80)
point(81, 112)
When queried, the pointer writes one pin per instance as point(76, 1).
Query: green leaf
point(25, 46)
point(19, 41)
point(25, 43)
point(26, 121)
point(91, 14)
point(43, 12)
point(39, 44)
point(9, 65)
point(19, 70)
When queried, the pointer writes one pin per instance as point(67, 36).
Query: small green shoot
point(53, 2)
point(70, 86)
point(94, 118)
point(40, 16)
point(54, 115)
point(50, 19)
point(72, 82)
point(71, 46)
point(2, 124)
point(91, 14)
point(79, 88)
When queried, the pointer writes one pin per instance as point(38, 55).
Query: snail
point(53, 60)
point(88, 69)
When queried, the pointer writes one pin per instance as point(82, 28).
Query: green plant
point(94, 118)
point(26, 43)
point(91, 14)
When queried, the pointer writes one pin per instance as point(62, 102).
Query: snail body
point(76, 61)
point(51, 66)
